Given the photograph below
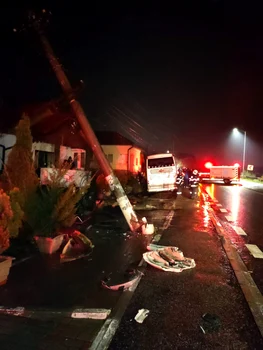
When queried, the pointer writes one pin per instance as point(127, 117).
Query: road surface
point(241, 208)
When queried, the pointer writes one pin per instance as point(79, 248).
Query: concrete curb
point(250, 290)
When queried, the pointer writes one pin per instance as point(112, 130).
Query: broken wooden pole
point(111, 178)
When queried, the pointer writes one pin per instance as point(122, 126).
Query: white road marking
point(229, 218)
point(168, 220)
point(219, 205)
point(17, 311)
point(239, 231)
point(255, 251)
point(95, 314)
point(223, 210)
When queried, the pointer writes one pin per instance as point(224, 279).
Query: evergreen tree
point(20, 167)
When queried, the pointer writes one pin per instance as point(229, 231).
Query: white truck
point(226, 173)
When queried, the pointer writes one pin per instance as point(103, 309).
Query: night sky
point(182, 76)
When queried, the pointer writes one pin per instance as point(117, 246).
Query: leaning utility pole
point(89, 134)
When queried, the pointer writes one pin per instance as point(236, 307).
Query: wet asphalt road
point(245, 205)
point(178, 301)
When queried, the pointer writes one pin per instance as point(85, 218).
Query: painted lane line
point(239, 231)
point(223, 210)
point(94, 314)
point(255, 251)
point(229, 218)
point(168, 220)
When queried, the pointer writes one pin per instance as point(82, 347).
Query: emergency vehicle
point(225, 173)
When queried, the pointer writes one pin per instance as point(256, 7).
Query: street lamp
point(236, 130)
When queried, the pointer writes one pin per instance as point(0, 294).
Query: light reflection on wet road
point(244, 205)
point(246, 208)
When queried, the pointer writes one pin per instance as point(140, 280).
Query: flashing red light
point(208, 165)
point(237, 165)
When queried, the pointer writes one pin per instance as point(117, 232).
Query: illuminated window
point(136, 161)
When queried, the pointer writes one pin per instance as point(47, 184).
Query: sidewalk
point(177, 302)
point(256, 186)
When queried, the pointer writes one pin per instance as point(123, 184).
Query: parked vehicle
point(224, 173)
point(161, 172)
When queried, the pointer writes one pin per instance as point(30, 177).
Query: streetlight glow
point(236, 130)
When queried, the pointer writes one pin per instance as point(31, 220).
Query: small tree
point(20, 167)
point(10, 217)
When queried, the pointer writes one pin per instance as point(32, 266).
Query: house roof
point(54, 123)
point(112, 138)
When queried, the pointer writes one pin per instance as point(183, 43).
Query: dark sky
point(183, 76)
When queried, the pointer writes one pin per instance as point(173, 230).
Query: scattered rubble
point(141, 315)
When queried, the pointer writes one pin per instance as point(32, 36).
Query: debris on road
point(157, 238)
point(169, 259)
point(210, 323)
point(153, 246)
point(77, 247)
point(149, 206)
point(123, 282)
point(141, 315)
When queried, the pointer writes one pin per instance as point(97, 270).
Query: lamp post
point(244, 147)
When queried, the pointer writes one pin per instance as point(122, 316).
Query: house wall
point(7, 141)
point(43, 154)
point(116, 155)
point(121, 157)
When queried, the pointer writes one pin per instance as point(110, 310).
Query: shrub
point(19, 169)
point(10, 217)
point(53, 207)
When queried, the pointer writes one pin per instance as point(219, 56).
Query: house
point(57, 136)
point(121, 153)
